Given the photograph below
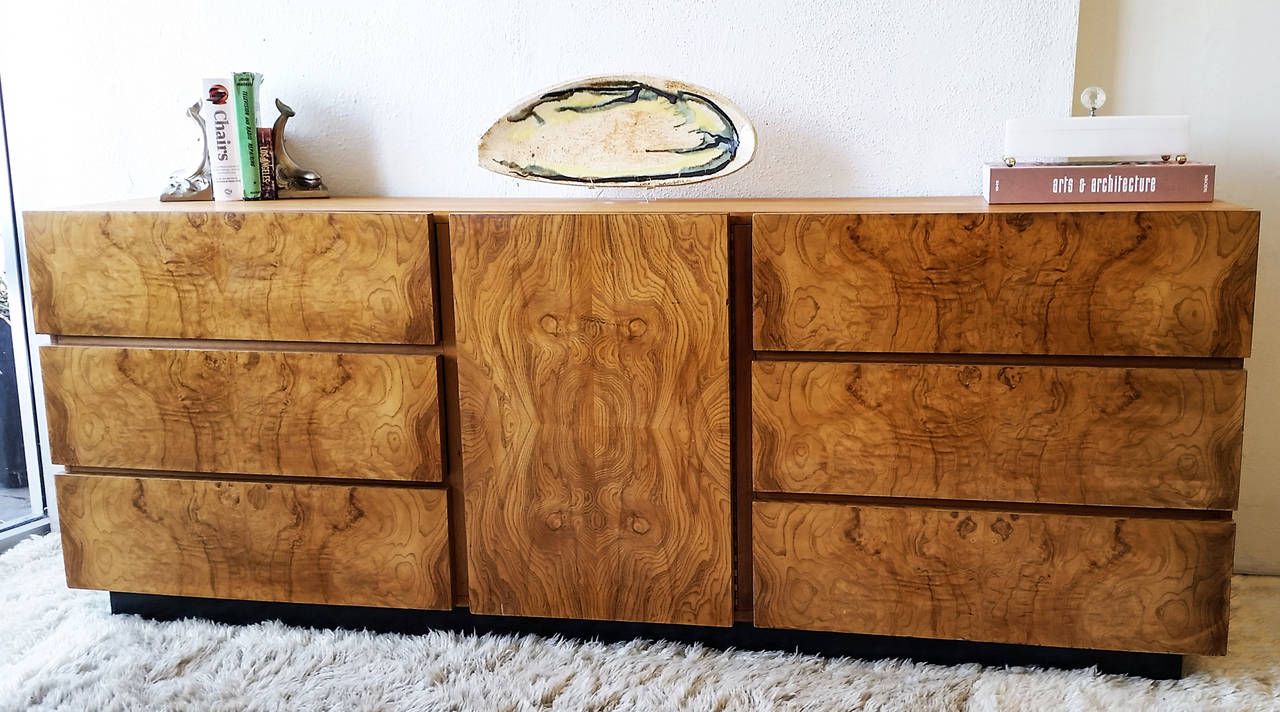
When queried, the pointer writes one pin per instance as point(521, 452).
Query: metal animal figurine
point(199, 184)
point(292, 181)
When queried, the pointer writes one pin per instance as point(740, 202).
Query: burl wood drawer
point(272, 276)
point(362, 546)
point(1166, 283)
point(1150, 437)
point(347, 415)
point(1139, 584)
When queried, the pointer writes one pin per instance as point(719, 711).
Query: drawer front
point(276, 413)
point(359, 546)
point(343, 277)
point(1139, 584)
point(1168, 283)
point(1115, 436)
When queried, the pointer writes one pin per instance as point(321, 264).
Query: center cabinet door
point(593, 369)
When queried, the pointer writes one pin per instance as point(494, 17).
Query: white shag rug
point(62, 650)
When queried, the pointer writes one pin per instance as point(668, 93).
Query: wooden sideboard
point(902, 417)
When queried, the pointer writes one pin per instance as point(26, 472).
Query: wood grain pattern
point(1105, 436)
point(277, 413)
point(1140, 584)
point(1167, 283)
point(594, 383)
point(278, 275)
point(361, 546)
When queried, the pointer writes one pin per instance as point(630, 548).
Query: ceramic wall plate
point(623, 130)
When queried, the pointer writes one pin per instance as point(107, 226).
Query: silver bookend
point(199, 184)
point(292, 181)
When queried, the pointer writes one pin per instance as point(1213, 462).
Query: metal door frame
point(18, 305)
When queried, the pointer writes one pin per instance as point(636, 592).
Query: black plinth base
point(742, 636)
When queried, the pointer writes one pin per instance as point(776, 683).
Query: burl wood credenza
point(925, 418)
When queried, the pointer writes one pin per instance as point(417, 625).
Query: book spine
point(267, 164)
point(247, 130)
point(1090, 183)
point(217, 108)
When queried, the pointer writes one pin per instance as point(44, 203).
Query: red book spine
point(1098, 183)
point(267, 164)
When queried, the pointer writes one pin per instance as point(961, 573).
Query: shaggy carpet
point(62, 650)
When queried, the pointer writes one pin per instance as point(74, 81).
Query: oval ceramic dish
point(621, 130)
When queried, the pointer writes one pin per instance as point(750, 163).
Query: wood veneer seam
point(735, 219)
point(251, 477)
point(962, 359)
point(1087, 510)
point(148, 342)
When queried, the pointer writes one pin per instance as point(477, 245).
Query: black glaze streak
point(631, 97)
point(709, 140)
point(628, 92)
point(741, 636)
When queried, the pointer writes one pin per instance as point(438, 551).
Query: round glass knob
point(1093, 98)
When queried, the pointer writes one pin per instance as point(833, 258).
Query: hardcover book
point(217, 108)
point(1164, 182)
point(246, 93)
point(267, 164)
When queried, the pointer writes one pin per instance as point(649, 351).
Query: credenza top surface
point(743, 207)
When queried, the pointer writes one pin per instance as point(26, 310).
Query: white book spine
point(218, 107)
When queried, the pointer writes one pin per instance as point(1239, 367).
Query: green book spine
point(247, 131)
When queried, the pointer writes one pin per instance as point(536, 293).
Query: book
point(1123, 182)
point(246, 94)
point(217, 108)
point(267, 164)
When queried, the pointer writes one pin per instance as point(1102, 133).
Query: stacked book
point(1098, 182)
point(241, 154)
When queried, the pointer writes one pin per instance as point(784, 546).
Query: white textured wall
point(1218, 63)
point(893, 97)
